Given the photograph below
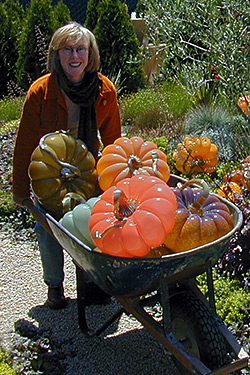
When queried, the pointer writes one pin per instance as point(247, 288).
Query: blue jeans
point(52, 257)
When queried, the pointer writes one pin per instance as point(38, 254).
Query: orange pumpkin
point(239, 176)
point(200, 218)
point(128, 157)
point(230, 190)
point(244, 104)
point(133, 216)
point(196, 154)
point(246, 173)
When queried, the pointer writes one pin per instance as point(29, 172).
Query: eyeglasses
point(80, 50)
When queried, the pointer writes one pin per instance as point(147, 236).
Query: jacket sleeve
point(108, 114)
point(26, 141)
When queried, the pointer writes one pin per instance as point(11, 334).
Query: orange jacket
point(45, 111)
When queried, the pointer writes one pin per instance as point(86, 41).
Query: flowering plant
point(209, 87)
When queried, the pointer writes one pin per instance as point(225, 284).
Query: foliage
point(5, 368)
point(201, 35)
point(156, 108)
point(40, 23)
point(230, 299)
point(118, 45)
point(10, 109)
point(61, 14)
point(11, 27)
point(92, 14)
point(236, 259)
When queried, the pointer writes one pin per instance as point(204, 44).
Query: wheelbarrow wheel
point(195, 327)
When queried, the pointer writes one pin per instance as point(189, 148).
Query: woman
point(73, 96)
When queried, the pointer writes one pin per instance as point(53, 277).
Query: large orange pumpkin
point(133, 216)
point(61, 165)
point(197, 154)
point(200, 218)
point(127, 157)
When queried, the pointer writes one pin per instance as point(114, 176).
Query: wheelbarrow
point(189, 327)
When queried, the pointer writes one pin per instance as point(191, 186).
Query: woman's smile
point(74, 60)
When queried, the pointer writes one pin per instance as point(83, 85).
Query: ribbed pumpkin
point(77, 221)
point(127, 157)
point(200, 218)
point(230, 190)
point(240, 176)
point(133, 216)
point(196, 154)
point(246, 172)
point(61, 165)
point(244, 104)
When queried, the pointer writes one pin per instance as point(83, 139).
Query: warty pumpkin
point(200, 218)
point(244, 104)
point(127, 157)
point(59, 165)
point(230, 190)
point(197, 154)
point(133, 216)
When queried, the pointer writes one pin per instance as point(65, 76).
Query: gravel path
point(124, 348)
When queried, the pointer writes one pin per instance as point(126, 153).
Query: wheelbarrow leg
point(81, 287)
point(85, 298)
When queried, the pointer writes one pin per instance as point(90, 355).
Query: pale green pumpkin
point(77, 221)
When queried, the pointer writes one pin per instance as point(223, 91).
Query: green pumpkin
point(60, 165)
point(77, 221)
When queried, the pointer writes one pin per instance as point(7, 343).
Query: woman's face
point(74, 59)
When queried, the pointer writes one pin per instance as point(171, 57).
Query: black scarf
point(85, 95)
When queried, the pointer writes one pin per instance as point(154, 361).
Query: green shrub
point(118, 45)
point(10, 109)
point(5, 369)
point(11, 15)
point(7, 206)
point(145, 109)
point(156, 111)
point(42, 19)
point(92, 14)
point(230, 299)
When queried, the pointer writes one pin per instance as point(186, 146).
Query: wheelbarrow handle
point(38, 215)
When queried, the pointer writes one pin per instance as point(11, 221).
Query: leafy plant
point(118, 44)
point(92, 14)
point(230, 299)
point(12, 16)
point(42, 19)
point(159, 108)
point(200, 35)
point(5, 368)
point(10, 110)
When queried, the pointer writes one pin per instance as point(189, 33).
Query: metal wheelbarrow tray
point(190, 328)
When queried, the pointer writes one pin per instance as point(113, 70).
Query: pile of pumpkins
point(137, 214)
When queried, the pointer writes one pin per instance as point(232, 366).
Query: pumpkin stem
point(155, 158)
point(68, 171)
point(134, 163)
point(97, 234)
point(197, 205)
point(122, 207)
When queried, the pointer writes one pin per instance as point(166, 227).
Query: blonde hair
point(74, 33)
